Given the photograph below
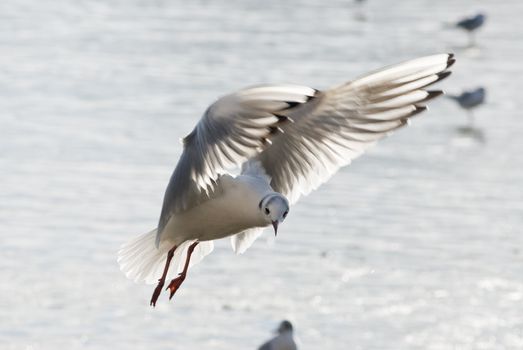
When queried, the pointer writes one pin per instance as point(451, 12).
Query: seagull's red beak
point(275, 225)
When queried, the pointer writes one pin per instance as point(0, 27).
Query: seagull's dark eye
point(267, 211)
point(285, 214)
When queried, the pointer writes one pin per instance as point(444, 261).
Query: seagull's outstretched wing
point(336, 126)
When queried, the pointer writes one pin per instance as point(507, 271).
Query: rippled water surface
point(417, 245)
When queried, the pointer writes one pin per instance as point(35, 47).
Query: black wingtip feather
point(316, 92)
point(433, 94)
point(187, 139)
point(292, 104)
point(274, 130)
point(281, 118)
point(418, 110)
point(443, 75)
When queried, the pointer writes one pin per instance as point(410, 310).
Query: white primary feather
point(405, 72)
point(141, 261)
point(242, 241)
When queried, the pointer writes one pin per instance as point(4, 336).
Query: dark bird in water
point(471, 24)
point(283, 340)
point(469, 100)
point(360, 14)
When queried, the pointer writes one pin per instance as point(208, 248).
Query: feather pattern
point(338, 125)
point(300, 135)
point(232, 130)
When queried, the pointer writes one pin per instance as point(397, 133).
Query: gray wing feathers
point(301, 136)
point(232, 130)
point(338, 125)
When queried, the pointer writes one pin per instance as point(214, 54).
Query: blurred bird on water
point(470, 100)
point(284, 339)
point(471, 25)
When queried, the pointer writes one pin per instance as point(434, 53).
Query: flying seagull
point(288, 140)
point(283, 340)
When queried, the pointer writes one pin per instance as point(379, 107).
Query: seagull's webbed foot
point(157, 292)
point(175, 284)
point(161, 281)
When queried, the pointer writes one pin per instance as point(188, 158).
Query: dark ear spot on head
point(267, 211)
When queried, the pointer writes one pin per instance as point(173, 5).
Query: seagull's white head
point(274, 208)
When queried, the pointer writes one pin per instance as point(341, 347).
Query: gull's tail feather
point(141, 261)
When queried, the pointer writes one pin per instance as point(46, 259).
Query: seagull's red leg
point(177, 282)
point(161, 281)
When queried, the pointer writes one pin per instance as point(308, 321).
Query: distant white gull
point(283, 340)
point(288, 139)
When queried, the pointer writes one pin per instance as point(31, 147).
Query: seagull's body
point(234, 210)
point(288, 139)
